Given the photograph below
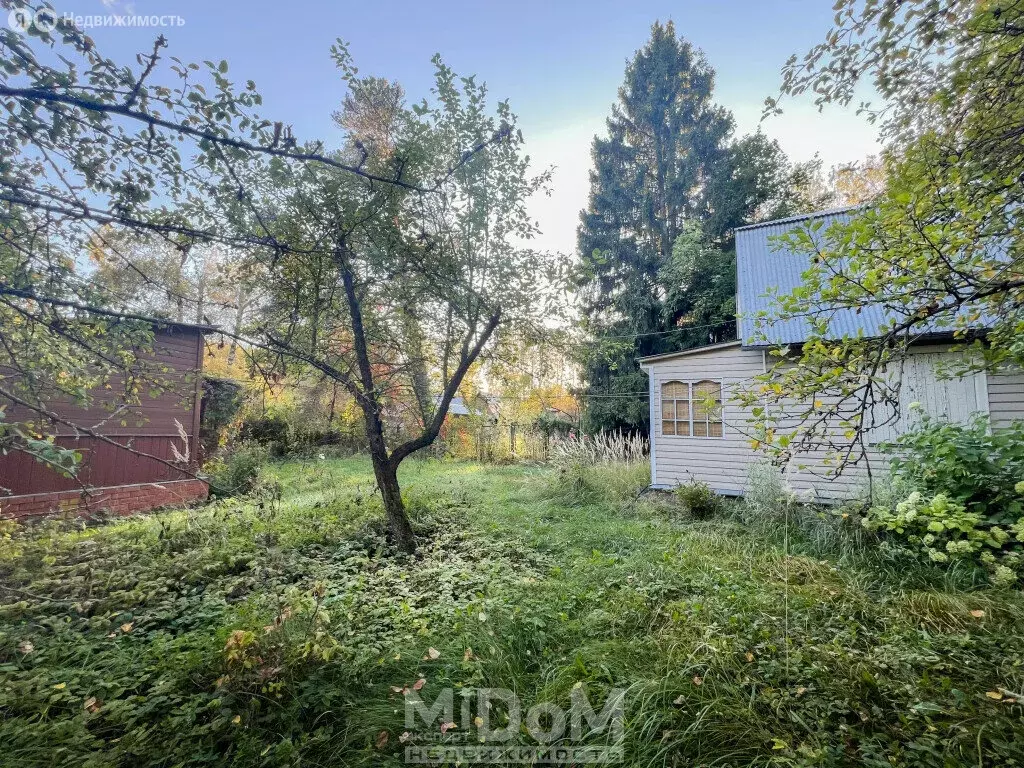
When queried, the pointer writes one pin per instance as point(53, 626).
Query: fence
point(489, 442)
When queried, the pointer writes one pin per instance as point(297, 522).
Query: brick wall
point(117, 500)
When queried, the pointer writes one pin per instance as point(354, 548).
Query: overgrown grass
point(274, 633)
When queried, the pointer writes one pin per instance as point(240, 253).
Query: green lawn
point(275, 633)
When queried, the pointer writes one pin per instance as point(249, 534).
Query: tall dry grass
point(606, 466)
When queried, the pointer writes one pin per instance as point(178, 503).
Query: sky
point(559, 63)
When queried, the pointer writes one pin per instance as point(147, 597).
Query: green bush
point(238, 472)
point(700, 501)
point(942, 530)
point(270, 431)
point(978, 467)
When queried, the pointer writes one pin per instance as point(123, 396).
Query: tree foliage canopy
point(397, 253)
point(939, 249)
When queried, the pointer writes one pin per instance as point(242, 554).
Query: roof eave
point(686, 352)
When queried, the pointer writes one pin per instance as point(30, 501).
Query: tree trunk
point(385, 470)
point(399, 528)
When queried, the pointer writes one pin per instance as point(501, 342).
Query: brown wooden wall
point(148, 427)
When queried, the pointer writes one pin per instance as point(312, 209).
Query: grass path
point(275, 633)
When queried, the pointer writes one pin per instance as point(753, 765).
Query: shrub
point(222, 400)
point(269, 431)
point(942, 530)
point(238, 472)
point(971, 464)
point(700, 501)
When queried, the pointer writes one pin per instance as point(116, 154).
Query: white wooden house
point(713, 445)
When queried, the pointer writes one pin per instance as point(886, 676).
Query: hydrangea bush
point(942, 530)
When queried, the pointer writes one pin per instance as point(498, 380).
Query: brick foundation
point(115, 500)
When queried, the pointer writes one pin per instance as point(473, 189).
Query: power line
point(655, 333)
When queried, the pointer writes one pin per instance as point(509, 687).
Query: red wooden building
point(129, 475)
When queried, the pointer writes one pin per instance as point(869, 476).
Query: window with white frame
point(691, 409)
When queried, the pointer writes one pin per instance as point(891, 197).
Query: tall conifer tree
point(657, 265)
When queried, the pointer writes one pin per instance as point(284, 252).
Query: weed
point(251, 633)
point(700, 501)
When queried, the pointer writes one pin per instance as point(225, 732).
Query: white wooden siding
point(724, 462)
point(1006, 398)
point(949, 399)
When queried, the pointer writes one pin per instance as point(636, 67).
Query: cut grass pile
point(282, 632)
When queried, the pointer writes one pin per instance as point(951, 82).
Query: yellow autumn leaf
point(994, 695)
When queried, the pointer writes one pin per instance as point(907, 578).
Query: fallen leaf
point(978, 614)
point(680, 700)
point(396, 689)
point(482, 616)
point(750, 656)
point(382, 739)
point(236, 719)
point(60, 686)
point(445, 727)
point(127, 627)
point(698, 680)
point(91, 704)
point(478, 721)
point(404, 737)
point(801, 691)
point(419, 684)
point(432, 654)
point(994, 695)
point(468, 654)
point(26, 647)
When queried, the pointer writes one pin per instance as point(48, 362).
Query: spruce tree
point(666, 140)
point(657, 257)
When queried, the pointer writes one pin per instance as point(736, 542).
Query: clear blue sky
point(559, 63)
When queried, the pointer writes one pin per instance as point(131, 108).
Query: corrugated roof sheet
point(763, 266)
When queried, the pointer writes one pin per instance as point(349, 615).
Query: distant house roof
point(458, 407)
point(766, 268)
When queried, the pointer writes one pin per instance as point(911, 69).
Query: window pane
point(683, 410)
point(716, 429)
point(700, 429)
point(668, 409)
point(700, 411)
point(674, 389)
point(668, 427)
point(706, 389)
point(707, 400)
point(682, 428)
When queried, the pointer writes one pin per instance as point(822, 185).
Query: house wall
point(1006, 398)
point(147, 427)
point(116, 500)
point(724, 463)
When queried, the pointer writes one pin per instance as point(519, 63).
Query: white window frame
point(689, 389)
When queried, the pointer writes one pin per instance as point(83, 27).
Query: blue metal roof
point(764, 266)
